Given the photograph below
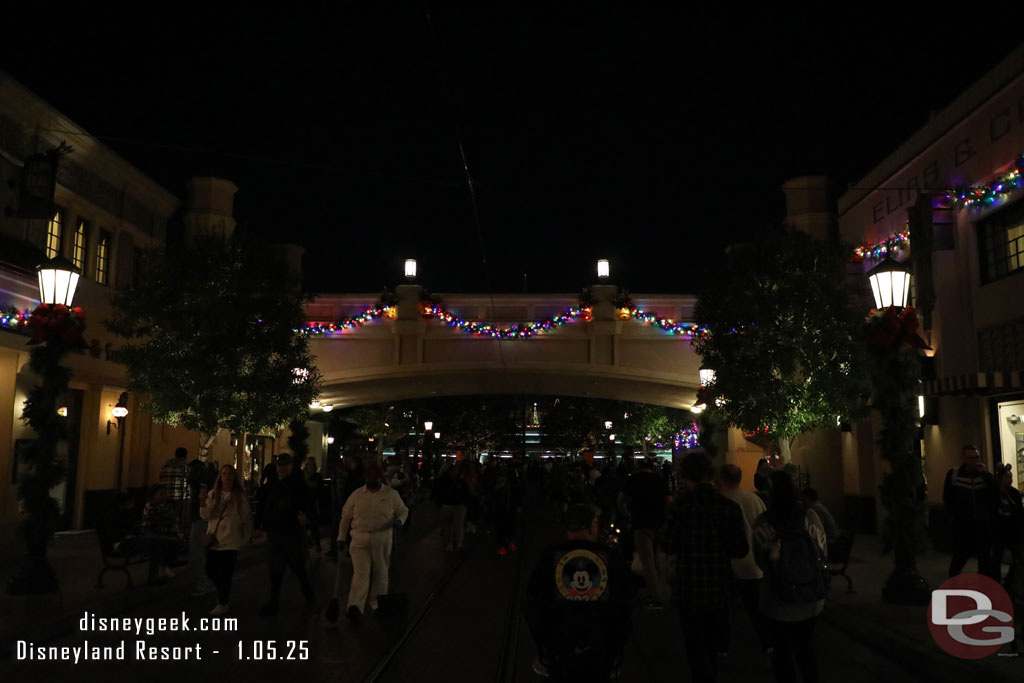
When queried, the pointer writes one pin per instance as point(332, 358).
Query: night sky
point(652, 138)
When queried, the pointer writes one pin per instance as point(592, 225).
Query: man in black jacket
point(579, 602)
point(971, 499)
point(283, 509)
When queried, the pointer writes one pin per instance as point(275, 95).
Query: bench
point(839, 556)
point(115, 559)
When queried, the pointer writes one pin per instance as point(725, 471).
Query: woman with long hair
point(229, 525)
point(790, 609)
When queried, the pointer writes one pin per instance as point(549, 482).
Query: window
point(103, 257)
point(53, 234)
point(81, 239)
point(1002, 243)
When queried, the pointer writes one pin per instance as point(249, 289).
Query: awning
point(976, 384)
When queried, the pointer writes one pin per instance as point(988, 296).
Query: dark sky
point(652, 138)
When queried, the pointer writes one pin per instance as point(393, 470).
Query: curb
point(910, 653)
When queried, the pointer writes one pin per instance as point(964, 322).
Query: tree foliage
point(483, 425)
point(212, 338)
point(571, 424)
point(385, 423)
point(783, 336)
point(647, 423)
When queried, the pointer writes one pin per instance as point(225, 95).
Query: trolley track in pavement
point(506, 651)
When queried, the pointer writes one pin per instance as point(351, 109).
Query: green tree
point(647, 423)
point(213, 340)
point(571, 424)
point(482, 425)
point(783, 336)
point(385, 423)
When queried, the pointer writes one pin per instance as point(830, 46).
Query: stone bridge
point(504, 344)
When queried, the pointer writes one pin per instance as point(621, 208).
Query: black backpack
point(800, 575)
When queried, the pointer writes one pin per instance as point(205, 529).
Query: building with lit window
point(106, 212)
point(959, 179)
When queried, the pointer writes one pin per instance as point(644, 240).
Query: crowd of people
point(638, 533)
point(693, 528)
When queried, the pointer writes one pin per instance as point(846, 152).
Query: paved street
point(470, 632)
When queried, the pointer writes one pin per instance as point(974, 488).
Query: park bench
point(115, 559)
point(839, 557)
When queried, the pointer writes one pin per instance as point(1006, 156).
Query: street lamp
point(707, 376)
point(895, 376)
point(314, 405)
point(410, 269)
point(58, 280)
point(428, 425)
point(603, 269)
point(890, 283)
point(53, 336)
point(607, 424)
point(119, 412)
point(327, 408)
point(437, 435)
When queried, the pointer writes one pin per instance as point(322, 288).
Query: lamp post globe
point(58, 280)
point(890, 283)
point(603, 269)
point(410, 269)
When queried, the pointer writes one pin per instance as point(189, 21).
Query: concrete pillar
point(209, 207)
point(811, 206)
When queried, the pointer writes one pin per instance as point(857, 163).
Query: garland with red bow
point(884, 327)
point(56, 322)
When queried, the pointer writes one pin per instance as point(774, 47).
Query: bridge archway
point(599, 353)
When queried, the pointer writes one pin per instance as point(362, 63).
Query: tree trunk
point(206, 443)
point(784, 450)
point(240, 456)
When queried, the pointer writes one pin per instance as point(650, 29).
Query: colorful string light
point(967, 197)
point(316, 328)
point(13, 319)
point(429, 310)
point(875, 252)
point(989, 193)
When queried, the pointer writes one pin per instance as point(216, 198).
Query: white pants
point(371, 556)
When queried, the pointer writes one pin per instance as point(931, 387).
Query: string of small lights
point(13, 319)
point(989, 193)
point(432, 310)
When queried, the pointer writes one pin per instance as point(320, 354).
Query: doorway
point(1011, 437)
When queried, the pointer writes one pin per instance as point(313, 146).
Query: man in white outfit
point(370, 514)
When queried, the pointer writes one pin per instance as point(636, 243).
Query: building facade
point(106, 213)
point(948, 201)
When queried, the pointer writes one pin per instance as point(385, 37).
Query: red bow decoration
point(895, 327)
point(57, 321)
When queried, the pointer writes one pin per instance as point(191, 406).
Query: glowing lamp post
point(895, 378)
point(603, 270)
point(707, 377)
point(58, 280)
point(55, 332)
point(410, 269)
point(890, 284)
point(428, 426)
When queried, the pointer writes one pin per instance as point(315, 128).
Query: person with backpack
point(578, 604)
point(790, 547)
point(705, 530)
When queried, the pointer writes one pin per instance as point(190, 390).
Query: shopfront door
point(1011, 438)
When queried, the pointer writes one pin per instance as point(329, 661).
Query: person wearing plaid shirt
point(704, 529)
